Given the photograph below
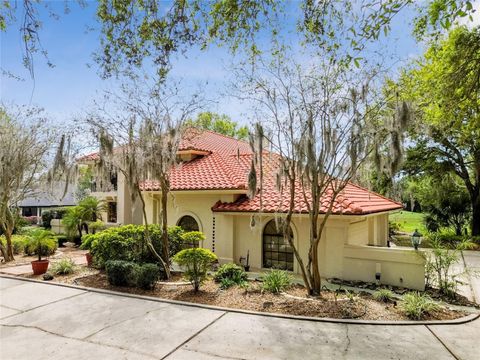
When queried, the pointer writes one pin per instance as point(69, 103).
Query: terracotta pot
point(40, 267)
point(89, 259)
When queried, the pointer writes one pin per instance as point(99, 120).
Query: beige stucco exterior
point(352, 247)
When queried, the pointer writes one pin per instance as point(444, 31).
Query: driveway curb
point(463, 320)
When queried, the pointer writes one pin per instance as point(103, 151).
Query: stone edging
point(459, 321)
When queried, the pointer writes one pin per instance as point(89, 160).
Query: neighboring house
point(44, 200)
point(209, 193)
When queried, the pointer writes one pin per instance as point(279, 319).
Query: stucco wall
point(398, 267)
point(352, 247)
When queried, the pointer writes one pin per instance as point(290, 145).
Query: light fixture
point(416, 239)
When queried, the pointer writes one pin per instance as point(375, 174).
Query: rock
point(267, 304)
point(47, 276)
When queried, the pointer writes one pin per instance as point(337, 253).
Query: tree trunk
point(476, 215)
point(166, 255)
point(316, 280)
point(147, 237)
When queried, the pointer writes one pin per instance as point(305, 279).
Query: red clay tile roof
point(226, 167)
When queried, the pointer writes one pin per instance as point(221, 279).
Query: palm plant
point(41, 240)
point(92, 208)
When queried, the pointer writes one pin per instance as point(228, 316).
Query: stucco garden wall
point(398, 267)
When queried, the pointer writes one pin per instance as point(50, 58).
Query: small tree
point(440, 262)
point(140, 140)
point(197, 261)
point(24, 143)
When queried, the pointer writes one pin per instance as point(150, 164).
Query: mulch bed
point(293, 302)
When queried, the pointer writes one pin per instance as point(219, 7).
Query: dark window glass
point(188, 223)
point(112, 212)
point(277, 253)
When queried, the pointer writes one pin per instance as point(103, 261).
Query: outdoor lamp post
point(416, 239)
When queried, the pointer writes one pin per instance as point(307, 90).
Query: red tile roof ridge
point(371, 192)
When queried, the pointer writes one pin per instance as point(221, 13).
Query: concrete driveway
point(44, 321)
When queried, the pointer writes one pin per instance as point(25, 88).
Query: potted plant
point(42, 241)
point(87, 241)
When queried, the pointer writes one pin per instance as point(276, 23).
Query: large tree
point(24, 145)
point(219, 123)
point(445, 86)
point(139, 139)
point(318, 127)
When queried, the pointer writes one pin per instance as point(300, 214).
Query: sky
point(69, 88)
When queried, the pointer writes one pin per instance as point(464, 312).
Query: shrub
point(61, 239)
point(393, 227)
point(121, 273)
point(40, 242)
point(127, 243)
point(47, 217)
point(383, 295)
point(31, 220)
point(147, 276)
point(192, 238)
point(197, 262)
point(230, 274)
point(175, 242)
point(96, 226)
point(276, 281)
point(416, 305)
point(18, 243)
point(440, 262)
point(64, 267)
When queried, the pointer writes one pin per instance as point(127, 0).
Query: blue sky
point(68, 89)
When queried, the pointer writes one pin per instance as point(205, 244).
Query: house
point(209, 193)
point(42, 200)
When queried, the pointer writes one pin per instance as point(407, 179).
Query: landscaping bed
point(292, 301)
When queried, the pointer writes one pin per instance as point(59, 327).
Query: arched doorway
point(277, 253)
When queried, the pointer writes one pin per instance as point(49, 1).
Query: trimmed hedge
point(121, 273)
point(128, 243)
point(128, 273)
point(147, 276)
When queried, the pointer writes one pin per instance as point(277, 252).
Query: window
point(112, 212)
point(277, 253)
point(188, 223)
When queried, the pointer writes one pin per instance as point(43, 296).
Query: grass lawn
point(409, 221)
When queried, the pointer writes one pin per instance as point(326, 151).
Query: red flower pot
point(39, 267)
point(89, 259)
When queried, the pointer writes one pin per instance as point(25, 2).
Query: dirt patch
point(293, 302)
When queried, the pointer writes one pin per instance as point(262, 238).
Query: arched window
point(188, 223)
point(277, 253)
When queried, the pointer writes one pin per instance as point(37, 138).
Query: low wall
point(57, 226)
point(397, 267)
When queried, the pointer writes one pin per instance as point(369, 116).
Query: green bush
point(47, 217)
point(122, 273)
point(416, 305)
point(230, 274)
point(196, 262)
point(40, 242)
point(383, 295)
point(122, 243)
point(192, 238)
point(61, 239)
point(147, 276)
point(64, 266)
point(276, 281)
point(18, 243)
point(175, 241)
